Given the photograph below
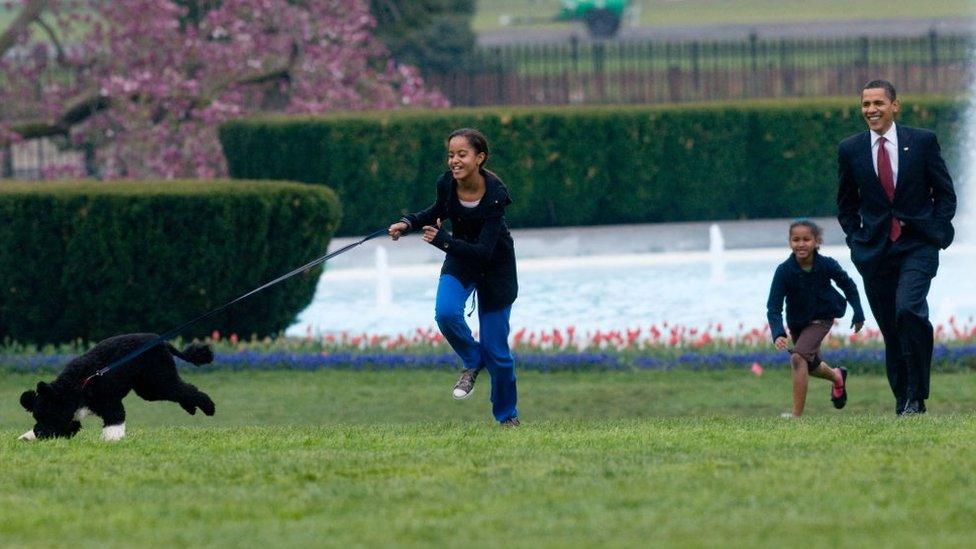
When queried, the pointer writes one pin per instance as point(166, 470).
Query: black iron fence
point(658, 72)
point(42, 159)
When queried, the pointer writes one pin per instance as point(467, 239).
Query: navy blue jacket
point(809, 295)
point(479, 248)
point(925, 199)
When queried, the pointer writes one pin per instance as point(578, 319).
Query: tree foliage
point(434, 35)
point(145, 83)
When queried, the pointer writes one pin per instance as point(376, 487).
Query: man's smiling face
point(878, 109)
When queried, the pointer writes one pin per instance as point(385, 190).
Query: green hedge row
point(88, 260)
point(580, 165)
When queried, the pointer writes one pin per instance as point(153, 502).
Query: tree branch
point(83, 107)
point(77, 111)
point(30, 13)
point(61, 57)
point(283, 73)
point(280, 73)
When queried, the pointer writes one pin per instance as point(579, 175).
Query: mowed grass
point(603, 458)
point(667, 13)
point(663, 13)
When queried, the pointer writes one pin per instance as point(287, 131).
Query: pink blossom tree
point(145, 83)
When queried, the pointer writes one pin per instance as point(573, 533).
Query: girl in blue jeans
point(480, 259)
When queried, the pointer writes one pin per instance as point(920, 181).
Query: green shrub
point(88, 260)
point(581, 165)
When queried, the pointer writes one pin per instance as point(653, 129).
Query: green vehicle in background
point(602, 17)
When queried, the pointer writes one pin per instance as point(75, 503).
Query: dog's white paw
point(29, 435)
point(112, 433)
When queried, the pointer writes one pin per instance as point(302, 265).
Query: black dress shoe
point(900, 406)
point(913, 408)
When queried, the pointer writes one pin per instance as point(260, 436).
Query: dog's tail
point(194, 353)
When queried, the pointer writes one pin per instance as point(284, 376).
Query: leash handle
point(173, 332)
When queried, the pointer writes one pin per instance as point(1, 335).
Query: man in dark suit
point(896, 202)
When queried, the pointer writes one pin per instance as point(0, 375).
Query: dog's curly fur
point(56, 406)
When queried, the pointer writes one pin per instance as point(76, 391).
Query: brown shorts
point(807, 342)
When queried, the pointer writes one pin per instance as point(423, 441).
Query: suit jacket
point(925, 200)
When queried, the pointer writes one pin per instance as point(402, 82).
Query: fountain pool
point(605, 291)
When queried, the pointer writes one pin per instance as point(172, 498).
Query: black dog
point(57, 407)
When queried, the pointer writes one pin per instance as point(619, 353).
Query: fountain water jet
point(716, 253)
point(965, 221)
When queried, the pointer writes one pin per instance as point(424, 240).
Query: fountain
point(965, 221)
point(716, 253)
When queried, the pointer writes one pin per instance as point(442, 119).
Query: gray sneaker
point(465, 384)
point(510, 422)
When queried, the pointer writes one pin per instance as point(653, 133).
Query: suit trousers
point(897, 293)
point(492, 352)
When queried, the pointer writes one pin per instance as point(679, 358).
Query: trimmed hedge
point(86, 260)
point(581, 165)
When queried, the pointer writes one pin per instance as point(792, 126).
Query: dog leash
point(171, 333)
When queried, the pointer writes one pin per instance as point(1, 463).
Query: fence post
point(599, 58)
point(574, 52)
point(499, 78)
point(754, 56)
point(91, 167)
point(7, 164)
point(41, 161)
point(786, 69)
point(696, 68)
point(934, 56)
point(863, 72)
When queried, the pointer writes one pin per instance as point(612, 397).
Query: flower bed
point(663, 347)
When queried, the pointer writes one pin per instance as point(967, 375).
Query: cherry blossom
point(144, 84)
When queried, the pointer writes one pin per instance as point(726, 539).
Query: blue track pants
point(491, 353)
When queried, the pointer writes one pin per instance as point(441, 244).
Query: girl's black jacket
point(481, 250)
point(809, 295)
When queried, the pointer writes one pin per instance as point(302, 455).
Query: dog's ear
point(27, 400)
point(43, 389)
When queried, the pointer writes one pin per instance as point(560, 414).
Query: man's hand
point(781, 343)
point(431, 232)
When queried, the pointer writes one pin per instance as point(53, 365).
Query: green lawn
point(707, 12)
point(380, 458)
point(665, 13)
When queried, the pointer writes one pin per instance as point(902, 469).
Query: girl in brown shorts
point(812, 304)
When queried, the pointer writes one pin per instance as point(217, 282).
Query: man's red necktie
point(887, 178)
